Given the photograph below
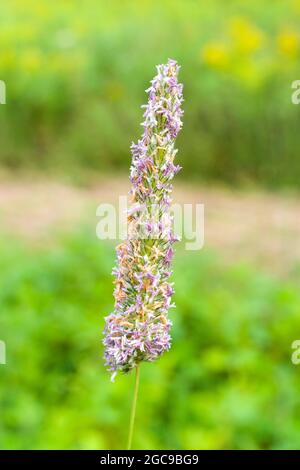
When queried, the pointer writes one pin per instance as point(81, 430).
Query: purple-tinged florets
point(138, 329)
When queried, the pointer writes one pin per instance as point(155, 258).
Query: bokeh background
point(75, 74)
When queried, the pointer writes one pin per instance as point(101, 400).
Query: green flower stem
point(133, 408)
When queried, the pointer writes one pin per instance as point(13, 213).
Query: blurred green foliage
point(76, 73)
point(228, 381)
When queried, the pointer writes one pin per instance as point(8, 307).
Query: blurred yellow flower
point(215, 55)
point(288, 43)
point(247, 36)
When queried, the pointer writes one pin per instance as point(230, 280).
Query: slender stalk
point(133, 407)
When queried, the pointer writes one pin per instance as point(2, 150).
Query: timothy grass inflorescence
point(139, 328)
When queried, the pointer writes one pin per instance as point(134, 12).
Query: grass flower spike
point(139, 329)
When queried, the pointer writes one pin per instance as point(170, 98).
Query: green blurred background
point(75, 74)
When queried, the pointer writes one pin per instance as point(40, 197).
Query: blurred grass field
point(228, 381)
point(76, 73)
